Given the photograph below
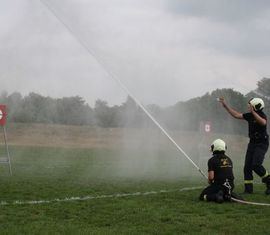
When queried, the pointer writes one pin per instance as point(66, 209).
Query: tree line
point(184, 115)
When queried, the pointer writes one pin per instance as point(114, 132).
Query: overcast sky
point(164, 51)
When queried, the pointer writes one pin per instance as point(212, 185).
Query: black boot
point(266, 180)
point(219, 197)
point(237, 196)
point(267, 191)
point(248, 188)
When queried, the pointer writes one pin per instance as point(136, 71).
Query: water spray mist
point(120, 83)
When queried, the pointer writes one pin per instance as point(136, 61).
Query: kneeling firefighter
point(220, 175)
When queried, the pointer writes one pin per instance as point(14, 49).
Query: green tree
point(74, 111)
point(263, 88)
point(105, 116)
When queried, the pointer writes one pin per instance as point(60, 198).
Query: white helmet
point(218, 145)
point(257, 103)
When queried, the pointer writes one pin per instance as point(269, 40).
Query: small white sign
point(207, 127)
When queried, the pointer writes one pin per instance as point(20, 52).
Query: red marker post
point(3, 119)
point(3, 114)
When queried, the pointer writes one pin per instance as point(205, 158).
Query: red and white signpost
point(207, 127)
point(3, 119)
point(205, 132)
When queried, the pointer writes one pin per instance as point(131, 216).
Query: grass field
point(78, 180)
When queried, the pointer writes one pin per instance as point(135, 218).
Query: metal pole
point(7, 150)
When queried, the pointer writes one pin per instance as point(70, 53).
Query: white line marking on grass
point(54, 167)
point(85, 198)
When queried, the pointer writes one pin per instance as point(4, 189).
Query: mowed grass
point(59, 172)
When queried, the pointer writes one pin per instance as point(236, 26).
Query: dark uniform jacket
point(256, 132)
point(223, 168)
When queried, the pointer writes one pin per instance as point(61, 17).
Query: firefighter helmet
point(257, 103)
point(218, 146)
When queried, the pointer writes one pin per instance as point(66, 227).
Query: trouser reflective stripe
point(264, 176)
point(248, 181)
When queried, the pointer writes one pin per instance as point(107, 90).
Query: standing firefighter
point(258, 144)
point(220, 175)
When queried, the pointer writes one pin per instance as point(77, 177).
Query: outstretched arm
point(230, 110)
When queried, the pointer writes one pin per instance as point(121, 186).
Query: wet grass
point(46, 173)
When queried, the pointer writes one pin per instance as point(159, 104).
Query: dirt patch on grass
point(61, 135)
point(94, 137)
